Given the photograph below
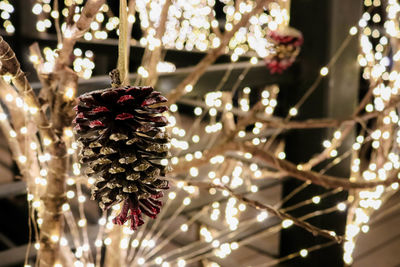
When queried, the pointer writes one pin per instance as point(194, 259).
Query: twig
point(216, 29)
point(11, 66)
point(303, 224)
point(76, 31)
point(131, 12)
point(213, 54)
point(282, 165)
point(279, 213)
point(57, 22)
point(347, 129)
point(155, 55)
point(47, 80)
point(296, 254)
point(275, 122)
point(310, 176)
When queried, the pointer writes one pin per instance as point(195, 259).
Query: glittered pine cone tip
point(286, 45)
point(124, 146)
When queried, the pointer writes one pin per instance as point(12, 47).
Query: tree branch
point(326, 181)
point(213, 54)
point(76, 31)
point(275, 122)
point(11, 66)
point(155, 55)
point(282, 165)
point(282, 215)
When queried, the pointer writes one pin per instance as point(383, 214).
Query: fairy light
point(46, 141)
point(254, 189)
point(189, 88)
point(304, 253)
point(83, 65)
point(184, 227)
point(81, 199)
point(198, 111)
point(316, 199)
point(22, 159)
point(353, 30)
point(36, 204)
point(181, 263)
point(141, 261)
point(70, 194)
point(82, 222)
point(194, 32)
point(262, 216)
point(54, 238)
point(68, 132)
point(193, 171)
point(281, 155)
point(172, 195)
point(324, 71)
point(13, 134)
point(65, 207)
point(374, 65)
point(293, 112)
point(107, 241)
point(287, 223)
point(186, 201)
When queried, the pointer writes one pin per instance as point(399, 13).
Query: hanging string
point(122, 65)
point(286, 6)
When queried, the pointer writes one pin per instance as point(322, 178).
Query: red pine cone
point(123, 143)
point(286, 47)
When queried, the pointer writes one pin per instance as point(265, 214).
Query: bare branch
point(47, 80)
point(282, 215)
point(76, 31)
point(275, 122)
point(155, 55)
point(213, 54)
point(282, 165)
point(310, 176)
point(11, 66)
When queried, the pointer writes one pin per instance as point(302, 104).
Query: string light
point(195, 32)
point(324, 71)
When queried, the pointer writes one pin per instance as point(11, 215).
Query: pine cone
point(286, 47)
point(123, 143)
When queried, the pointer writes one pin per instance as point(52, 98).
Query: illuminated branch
point(11, 66)
point(310, 176)
point(46, 79)
point(216, 29)
point(17, 118)
point(53, 197)
point(129, 39)
point(76, 31)
point(155, 55)
point(274, 122)
point(61, 114)
point(223, 234)
point(213, 54)
point(282, 215)
point(347, 129)
point(282, 165)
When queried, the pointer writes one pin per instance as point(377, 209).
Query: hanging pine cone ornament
point(286, 46)
point(124, 146)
